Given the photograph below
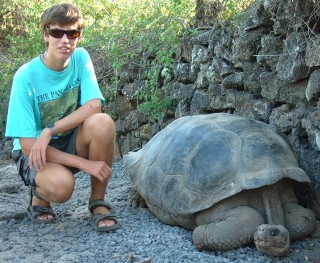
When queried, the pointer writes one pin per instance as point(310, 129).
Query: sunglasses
point(58, 33)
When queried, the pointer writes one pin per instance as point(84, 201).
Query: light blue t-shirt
point(41, 96)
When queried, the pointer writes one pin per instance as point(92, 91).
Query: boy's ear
point(45, 36)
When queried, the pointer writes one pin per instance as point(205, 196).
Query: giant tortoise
point(227, 178)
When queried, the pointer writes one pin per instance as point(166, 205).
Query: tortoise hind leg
point(228, 229)
point(299, 221)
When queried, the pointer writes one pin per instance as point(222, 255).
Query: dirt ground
point(309, 253)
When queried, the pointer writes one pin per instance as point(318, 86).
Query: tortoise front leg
point(228, 229)
point(135, 199)
point(299, 221)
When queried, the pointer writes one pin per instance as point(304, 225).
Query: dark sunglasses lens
point(58, 33)
point(72, 34)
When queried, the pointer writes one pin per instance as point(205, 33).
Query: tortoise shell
point(197, 161)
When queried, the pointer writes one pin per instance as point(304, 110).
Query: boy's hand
point(37, 156)
point(98, 169)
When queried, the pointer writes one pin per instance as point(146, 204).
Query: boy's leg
point(55, 183)
point(95, 141)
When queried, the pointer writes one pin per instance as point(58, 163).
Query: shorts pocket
point(27, 175)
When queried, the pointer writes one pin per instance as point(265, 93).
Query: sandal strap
point(98, 203)
point(96, 218)
point(33, 192)
point(99, 217)
point(40, 210)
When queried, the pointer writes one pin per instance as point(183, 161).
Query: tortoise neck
point(272, 204)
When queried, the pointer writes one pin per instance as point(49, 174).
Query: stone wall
point(267, 67)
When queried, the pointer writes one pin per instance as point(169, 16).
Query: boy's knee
point(61, 194)
point(58, 189)
point(102, 124)
point(99, 119)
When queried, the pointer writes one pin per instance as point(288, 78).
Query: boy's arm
point(98, 169)
point(79, 116)
point(37, 149)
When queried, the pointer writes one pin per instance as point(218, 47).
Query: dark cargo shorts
point(66, 144)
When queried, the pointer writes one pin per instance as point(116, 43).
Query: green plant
point(213, 76)
point(231, 9)
point(143, 35)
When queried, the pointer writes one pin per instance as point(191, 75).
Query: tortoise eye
point(274, 232)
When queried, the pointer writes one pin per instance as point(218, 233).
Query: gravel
point(140, 238)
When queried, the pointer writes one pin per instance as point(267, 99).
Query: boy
point(56, 122)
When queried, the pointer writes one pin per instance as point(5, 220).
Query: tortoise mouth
point(272, 248)
point(269, 244)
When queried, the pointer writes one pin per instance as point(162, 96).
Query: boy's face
point(61, 45)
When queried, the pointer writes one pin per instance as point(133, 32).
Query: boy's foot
point(102, 219)
point(39, 210)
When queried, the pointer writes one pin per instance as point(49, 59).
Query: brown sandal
point(34, 211)
point(96, 218)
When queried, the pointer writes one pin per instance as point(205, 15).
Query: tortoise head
point(272, 240)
